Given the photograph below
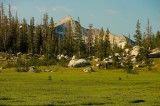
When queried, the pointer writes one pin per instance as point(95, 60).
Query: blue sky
point(120, 16)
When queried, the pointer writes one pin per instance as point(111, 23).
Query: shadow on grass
point(5, 98)
point(137, 101)
point(94, 103)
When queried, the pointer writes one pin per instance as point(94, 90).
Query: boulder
point(1, 67)
point(134, 60)
point(155, 53)
point(97, 59)
point(66, 57)
point(48, 70)
point(135, 51)
point(78, 63)
point(117, 54)
point(19, 53)
point(74, 57)
point(32, 69)
point(126, 50)
point(88, 69)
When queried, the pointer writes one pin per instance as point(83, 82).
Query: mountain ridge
point(120, 40)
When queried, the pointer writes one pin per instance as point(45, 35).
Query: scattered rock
point(97, 59)
point(32, 69)
point(1, 67)
point(88, 69)
point(74, 57)
point(126, 50)
point(117, 54)
point(48, 70)
point(134, 60)
point(19, 53)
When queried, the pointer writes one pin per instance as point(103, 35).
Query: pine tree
point(138, 35)
point(128, 43)
point(148, 37)
point(10, 29)
point(19, 38)
point(96, 45)
point(101, 44)
point(90, 41)
point(25, 36)
point(157, 39)
point(1, 29)
point(31, 36)
point(60, 46)
point(115, 49)
point(52, 40)
point(38, 39)
point(69, 40)
point(78, 43)
point(5, 32)
point(45, 34)
point(107, 49)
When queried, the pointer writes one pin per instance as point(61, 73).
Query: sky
point(119, 16)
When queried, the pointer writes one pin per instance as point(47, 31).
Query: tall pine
point(107, 46)
point(90, 41)
point(79, 42)
point(138, 35)
point(31, 36)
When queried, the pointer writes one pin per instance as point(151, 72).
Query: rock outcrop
point(155, 53)
point(78, 63)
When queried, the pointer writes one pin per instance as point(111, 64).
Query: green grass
point(69, 86)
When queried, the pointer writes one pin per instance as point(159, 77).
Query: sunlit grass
point(69, 86)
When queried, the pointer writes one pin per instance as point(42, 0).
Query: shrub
point(49, 77)
point(10, 64)
point(22, 69)
point(63, 62)
point(37, 70)
point(36, 62)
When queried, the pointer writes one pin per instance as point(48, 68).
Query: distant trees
point(19, 36)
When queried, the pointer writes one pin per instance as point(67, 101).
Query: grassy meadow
point(72, 86)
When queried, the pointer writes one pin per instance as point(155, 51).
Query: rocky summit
point(120, 40)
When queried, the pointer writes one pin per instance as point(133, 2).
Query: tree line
point(19, 36)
